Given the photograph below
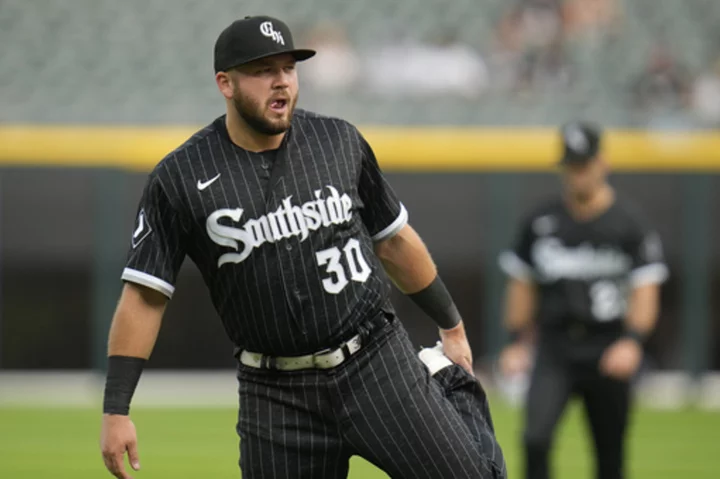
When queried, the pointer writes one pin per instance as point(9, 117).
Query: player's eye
point(289, 68)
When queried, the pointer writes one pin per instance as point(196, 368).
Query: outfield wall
point(68, 197)
point(438, 149)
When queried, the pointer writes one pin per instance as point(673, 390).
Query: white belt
point(325, 359)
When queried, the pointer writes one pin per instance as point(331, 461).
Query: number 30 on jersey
point(341, 263)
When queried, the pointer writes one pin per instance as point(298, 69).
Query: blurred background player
point(582, 297)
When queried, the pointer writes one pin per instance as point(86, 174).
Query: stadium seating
point(150, 61)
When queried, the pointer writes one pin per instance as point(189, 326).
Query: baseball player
point(297, 235)
point(584, 280)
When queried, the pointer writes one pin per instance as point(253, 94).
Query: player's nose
point(282, 80)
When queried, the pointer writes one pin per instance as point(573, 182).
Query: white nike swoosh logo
point(201, 185)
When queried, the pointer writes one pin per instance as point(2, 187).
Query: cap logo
point(267, 29)
point(576, 139)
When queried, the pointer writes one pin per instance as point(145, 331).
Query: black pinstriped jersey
point(283, 239)
point(584, 270)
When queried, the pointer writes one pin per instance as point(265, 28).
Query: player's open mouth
point(278, 105)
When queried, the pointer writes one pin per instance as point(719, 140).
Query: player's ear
point(225, 84)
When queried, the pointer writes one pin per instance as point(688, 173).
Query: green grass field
point(201, 443)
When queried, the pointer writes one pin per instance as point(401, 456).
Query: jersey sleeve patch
point(142, 229)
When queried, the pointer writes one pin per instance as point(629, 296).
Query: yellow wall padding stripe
point(398, 149)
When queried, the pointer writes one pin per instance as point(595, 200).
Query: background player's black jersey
point(283, 239)
point(585, 270)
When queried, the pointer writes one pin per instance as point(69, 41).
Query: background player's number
point(607, 302)
point(355, 265)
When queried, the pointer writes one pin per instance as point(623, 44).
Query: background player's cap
point(252, 38)
point(581, 142)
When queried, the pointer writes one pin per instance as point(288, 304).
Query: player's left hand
point(621, 359)
point(456, 347)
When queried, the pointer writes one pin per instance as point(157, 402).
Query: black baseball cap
point(253, 38)
point(581, 142)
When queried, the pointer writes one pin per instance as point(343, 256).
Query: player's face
point(265, 93)
point(583, 180)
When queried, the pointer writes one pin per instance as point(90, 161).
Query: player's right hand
point(515, 359)
point(118, 435)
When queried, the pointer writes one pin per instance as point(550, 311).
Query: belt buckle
point(355, 341)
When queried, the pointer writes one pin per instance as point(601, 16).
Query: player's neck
point(593, 207)
point(247, 138)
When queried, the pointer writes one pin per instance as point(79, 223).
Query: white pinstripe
point(449, 420)
point(345, 161)
point(165, 277)
point(346, 292)
point(403, 411)
point(166, 168)
point(284, 436)
point(379, 419)
point(368, 446)
point(290, 291)
point(250, 302)
point(432, 445)
point(326, 439)
point(428, 433)
point(273, 461)
point(227, 293)
point(264, 258)
point(288, 452)
point(312, 242)
point(195, 178)
point(306, 400)
point(163, 240)
point(317, 172)
point(263, 209)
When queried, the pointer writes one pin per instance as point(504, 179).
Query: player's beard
point(253, 113)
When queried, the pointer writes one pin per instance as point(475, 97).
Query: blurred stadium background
point(460, 100)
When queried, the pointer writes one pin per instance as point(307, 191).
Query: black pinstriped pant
point(381, 405)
